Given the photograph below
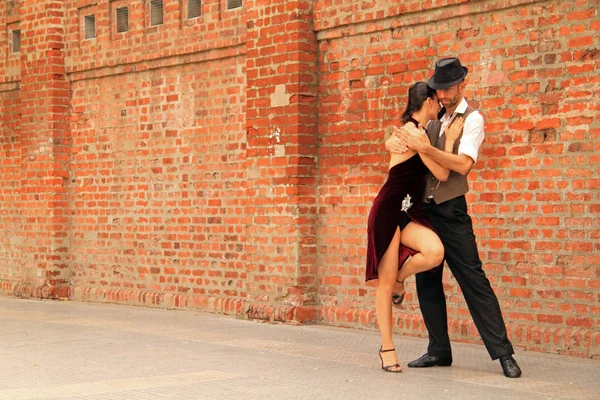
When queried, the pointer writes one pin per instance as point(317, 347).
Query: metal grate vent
point(194, 9)
point(90, 27)
point(231, 4)
point(122, 19)
point(16, 43)
point(156, 12)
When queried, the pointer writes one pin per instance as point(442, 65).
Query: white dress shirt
point(473, 134)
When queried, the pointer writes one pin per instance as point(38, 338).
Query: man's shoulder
point(473, 114)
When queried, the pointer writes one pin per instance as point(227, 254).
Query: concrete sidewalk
point(65, 350)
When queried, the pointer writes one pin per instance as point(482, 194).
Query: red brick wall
point(281, 165)
point(228, 163)
point(44, 138)
point(10, 224)
point(158, 156)
point(10, 142)
point(534, 198)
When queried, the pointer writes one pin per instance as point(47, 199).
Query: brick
point(552, 319)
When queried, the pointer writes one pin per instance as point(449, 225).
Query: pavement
point(70, 350)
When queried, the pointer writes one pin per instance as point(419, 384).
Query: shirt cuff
point(468, 151)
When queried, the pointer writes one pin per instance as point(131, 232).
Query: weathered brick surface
point(281, 162)
point(44, 137)
point(158, 157)
point(10, 142)
point(158, 194)
point(10, 197)
point(229, 162)
point(534, 74)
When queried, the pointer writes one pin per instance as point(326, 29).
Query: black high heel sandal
point(388, 368)
point(397, 299)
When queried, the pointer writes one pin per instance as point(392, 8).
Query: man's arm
point(394, 146)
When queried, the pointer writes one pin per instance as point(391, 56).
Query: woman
point(400, 240)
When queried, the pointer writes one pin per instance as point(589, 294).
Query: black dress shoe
point(426, 361)
point(510, 367)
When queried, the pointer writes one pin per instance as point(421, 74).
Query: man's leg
point(432, 302)
point(463, 259)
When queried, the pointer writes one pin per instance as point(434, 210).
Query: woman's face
point(434, 107)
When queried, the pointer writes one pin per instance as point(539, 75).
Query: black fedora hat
point(448, 72)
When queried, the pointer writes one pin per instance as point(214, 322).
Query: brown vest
point(457, 184)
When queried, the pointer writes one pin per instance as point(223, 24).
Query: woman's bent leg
point(429, 246)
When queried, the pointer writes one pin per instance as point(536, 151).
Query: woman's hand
point(455, 129)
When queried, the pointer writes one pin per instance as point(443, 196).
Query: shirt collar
point(462, 107)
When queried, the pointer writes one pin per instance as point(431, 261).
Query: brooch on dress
point(406, 204)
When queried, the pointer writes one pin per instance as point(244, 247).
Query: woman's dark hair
point(417, 94)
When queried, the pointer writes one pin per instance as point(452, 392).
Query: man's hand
point(412, 137)
point(394, 145)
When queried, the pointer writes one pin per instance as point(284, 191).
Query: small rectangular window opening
point(122, 19)
point(194, 9)
point(90, 26)
point(231, 4)
point(16, 41)
point(156, 12)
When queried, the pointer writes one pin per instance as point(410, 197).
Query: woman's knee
point(434, 255)
point(387, 275)
point(386, 285)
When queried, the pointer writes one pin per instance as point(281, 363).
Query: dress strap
point(414, 121)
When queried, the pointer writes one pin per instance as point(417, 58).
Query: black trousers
point(454, 227)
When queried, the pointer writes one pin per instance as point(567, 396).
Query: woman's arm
point(436, 169)
point(452, 133)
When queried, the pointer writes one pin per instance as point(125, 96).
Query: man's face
point(450, 97)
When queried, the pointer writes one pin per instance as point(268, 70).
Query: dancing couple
point(419, 219)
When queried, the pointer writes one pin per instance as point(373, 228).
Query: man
point(447, 212)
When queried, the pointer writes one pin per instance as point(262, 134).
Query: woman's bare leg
point(429, 246)
point(387, 272)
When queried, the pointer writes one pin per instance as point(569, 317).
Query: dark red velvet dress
point(399, 202)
